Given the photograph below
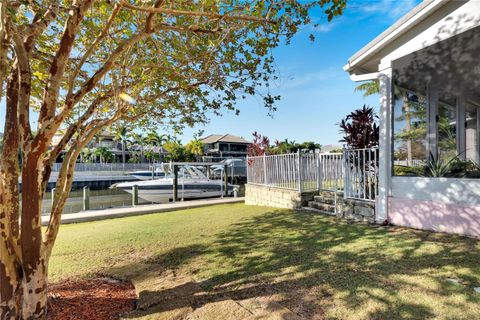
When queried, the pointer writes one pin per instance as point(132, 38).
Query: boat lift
point(175, 166)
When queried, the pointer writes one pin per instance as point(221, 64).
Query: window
point(454, 149)
point(471, 133)
point(409, 130)
point(447, 128)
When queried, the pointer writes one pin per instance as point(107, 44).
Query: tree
point(176, 151)
point(369, 88)
point(139, 140)
point(103, 154)
point(286, 146)
point(360, 129)
point(309, 146)
point(84, 65)
point(121, 134)
point(153, 139)
point(260, 145)
point(195, 147)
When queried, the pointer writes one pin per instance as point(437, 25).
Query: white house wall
point(465, 192)
point(438, 204)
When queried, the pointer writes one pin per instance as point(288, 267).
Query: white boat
point(192, 184)
point(147, 174)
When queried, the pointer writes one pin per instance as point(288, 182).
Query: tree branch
point(57, 68)
point(195, 13)
point(24, 90)
point(89, 51)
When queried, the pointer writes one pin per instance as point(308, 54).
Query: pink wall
point(437, 216)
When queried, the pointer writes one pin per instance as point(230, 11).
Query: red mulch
point(102, 298)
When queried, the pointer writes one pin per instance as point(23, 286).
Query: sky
point(316, 93)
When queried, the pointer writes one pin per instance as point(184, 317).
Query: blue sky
point(316, 92)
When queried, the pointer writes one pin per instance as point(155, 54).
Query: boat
point(192, 184)
point(160, 171)
point(147, 174)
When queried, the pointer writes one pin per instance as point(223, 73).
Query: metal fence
point(353, 171)
point(411, 163)
point(297, 171)
point(106, 166)
point(361, 173)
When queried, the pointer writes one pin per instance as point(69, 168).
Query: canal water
point(99, 199)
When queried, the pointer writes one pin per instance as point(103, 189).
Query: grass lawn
point(318, 267)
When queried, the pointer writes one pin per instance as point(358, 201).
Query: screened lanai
point(436, 106)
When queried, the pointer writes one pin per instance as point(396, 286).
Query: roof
point(213, 138)
point(399, 28)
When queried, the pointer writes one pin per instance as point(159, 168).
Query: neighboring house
point(227, 145)
point(106, 139)
point(428, 68)
point(332, 147)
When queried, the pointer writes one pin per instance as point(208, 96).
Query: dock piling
point(86, 198)
point(135, 195)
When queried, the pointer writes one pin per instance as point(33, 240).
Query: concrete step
point(327, 200)
point(318, 211)
point(330, 194)
point(322, 206)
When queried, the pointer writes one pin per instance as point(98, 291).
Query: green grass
point(317, 266)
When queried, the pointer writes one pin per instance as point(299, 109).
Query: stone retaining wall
point(358, 210)
point(276, 197)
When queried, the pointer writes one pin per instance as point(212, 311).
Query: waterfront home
point(226, 145)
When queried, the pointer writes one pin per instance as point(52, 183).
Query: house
point(428, 68)
point(226, 145)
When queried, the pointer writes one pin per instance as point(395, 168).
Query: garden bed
point(100, 298)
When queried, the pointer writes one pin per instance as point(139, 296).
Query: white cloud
point(391, 8)
point(291, 81)
point(322, 26)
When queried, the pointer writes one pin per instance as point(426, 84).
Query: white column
point(477, 142)
point(432, 114)
point(461, 132)
point(385, 145)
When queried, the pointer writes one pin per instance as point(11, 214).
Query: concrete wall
point(439, 204)
point(436, 216)
point(275, 197)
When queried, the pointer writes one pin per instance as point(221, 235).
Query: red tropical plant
point(360, 128)
point(259, 146)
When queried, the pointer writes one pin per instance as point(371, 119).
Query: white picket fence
point(353, 171)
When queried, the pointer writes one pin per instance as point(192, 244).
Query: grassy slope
point(319, 265)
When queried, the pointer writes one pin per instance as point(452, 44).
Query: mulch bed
point(101, 298)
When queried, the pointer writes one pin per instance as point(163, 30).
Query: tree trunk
point(10, 288)
point(10, 266)
point(34, 262)
point(35, 292)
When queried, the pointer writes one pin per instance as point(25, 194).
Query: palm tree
point(139, 139)
point(121, 134)
point(157, 140)
point(103, 154)
point(195, 147)
point(369, 88)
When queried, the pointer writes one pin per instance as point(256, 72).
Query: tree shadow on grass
point(314, 264)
